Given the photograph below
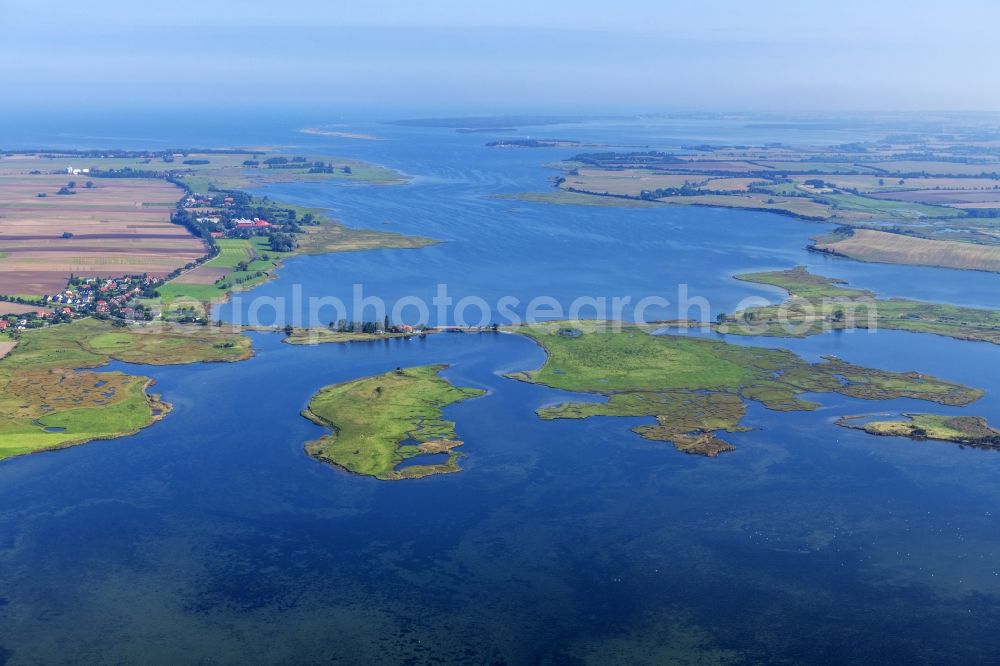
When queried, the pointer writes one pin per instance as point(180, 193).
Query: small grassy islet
point(380, 422)
point(963, 430)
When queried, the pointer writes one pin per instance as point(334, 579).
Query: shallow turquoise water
point(212, 537)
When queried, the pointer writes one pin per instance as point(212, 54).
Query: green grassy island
point(46, 403)
point(964, 430)
point(817, 304)
point(697, 387)
point(382, 421)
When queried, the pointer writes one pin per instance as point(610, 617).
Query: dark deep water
point(212, 537)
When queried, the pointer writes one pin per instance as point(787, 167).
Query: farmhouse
point(255, 222)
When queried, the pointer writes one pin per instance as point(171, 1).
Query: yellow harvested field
point(202, 275)
point(799, 206)
point(935, 168)
point(731, 184)
point(629, 182)
point(7, 308)
point(6, 346)
point(995, 203)
point(119, 226)
point(871, 183)
point(884, 247)
point(711, 166)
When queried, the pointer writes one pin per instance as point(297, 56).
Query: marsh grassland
point(696, 387)
point(50, 398)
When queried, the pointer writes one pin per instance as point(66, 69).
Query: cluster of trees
point(322, 167)
point(202, 230)
point(685, 190)
point(126, 172)
point(23, 300)
point(385, 326)
point(357, 327)
point(281, 242)
point(284, 162)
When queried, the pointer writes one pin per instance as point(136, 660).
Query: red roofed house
point(261, 223)
point(4, 324)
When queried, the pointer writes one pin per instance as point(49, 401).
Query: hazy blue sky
point(473, 55)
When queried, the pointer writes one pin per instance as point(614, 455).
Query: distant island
point(534, 143)
point(339, 134)
point(490, 122)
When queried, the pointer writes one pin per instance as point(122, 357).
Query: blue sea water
point(212, 537)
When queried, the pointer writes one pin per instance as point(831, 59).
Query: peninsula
point(47, 402)
point(817, 304)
